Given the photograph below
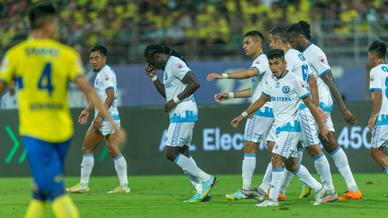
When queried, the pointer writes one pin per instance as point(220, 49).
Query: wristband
point(154, 78)
point(225, 76)
point(231, 94)
point(244, 114)
point(176, 99)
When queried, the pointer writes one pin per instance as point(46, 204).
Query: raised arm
point(223, 96)
point(330, 82)
point(251, 109)
point(151, 72)
point(240, 74)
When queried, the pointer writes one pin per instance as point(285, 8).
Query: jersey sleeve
point(375, 82)
point(320, 64)
point(180, 69)
point(300, 89)
point(76, 68)
point(260, 66)
point(266, 91)
point(7, 68)
point(108, 80)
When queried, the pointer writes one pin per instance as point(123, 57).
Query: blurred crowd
point(131, 24)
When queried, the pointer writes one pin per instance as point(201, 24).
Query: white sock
point(342, 164)
point(266, 183)
point(288, 176)
point(248, 168)
point(323, 168)
point(189, 165)
point(121, 170)
point(86, 169)
point(304, 176)
point(202, 174)
point(277, 178)
point(300, 155)
point(194, 181)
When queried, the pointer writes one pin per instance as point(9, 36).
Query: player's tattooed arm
point(223, 96)
point(251, 109)
point(315, 96)
point(346, 114)
point(192, 84)
point(314, 90)
point(151, 72)
point(376, 104)
point(240, 74)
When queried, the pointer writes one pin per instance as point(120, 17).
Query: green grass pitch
point(162, 196)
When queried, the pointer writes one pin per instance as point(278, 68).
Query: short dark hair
point(38, 13)
point(379, 47)
point(302, 27)
point(255, 33)
point(99, 48)
point(275, 53)
point(281, 32)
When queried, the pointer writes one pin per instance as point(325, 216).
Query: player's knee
point(291, 164)
point(374, 152)
point(250, 148)
point(314, 150)
point(171, 154)
point(86, 150)
point(50, 186)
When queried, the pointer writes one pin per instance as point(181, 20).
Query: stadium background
point(209, 34)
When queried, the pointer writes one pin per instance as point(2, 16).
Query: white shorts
point(180, 134)
point(271, 137)
point(257, 128)
point(286, 143)
point(380, 136)
point(329, 122)
point(309, 129)
point(106, 128)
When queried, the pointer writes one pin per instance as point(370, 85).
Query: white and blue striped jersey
point(379, 81)
point(263, 72)
point(174, 71)
point(106, 79)
point(285, 94)
point(319, 66)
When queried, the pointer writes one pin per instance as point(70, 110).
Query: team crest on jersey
point(286, 89)
point(180, 66)
point(322, 59)
point(107, 78)
point(372, 79)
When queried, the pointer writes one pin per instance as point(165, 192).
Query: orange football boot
point(350, 196)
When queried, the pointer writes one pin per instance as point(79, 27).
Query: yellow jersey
point(42, 69)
